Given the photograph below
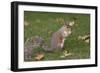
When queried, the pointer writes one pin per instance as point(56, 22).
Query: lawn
point(44, 24)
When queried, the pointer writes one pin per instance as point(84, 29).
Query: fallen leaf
point(85, 37)
point(65, 54)
point(72, 23)
point(26, 23)
point(60, 20)
point(68, 54)
point(87, 41)
point(39, 57)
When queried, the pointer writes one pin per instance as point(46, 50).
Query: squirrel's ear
point(66, 23)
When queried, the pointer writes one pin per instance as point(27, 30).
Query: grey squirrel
point(57, 41)
point(58, 38)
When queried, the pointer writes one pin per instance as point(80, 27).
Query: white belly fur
point(62, 44)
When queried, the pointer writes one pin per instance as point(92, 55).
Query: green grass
point(44, 24)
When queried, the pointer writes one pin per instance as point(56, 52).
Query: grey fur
point(55, 39)
point(30, 44)
point(37, 41)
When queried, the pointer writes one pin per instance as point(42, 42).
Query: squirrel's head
point(67, 28)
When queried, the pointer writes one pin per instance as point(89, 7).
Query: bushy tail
point(47, 48)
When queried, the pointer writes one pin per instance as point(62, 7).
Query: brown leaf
point(39, 57)
point(26, 23)
point(87, 41)
point(85, 37)
point(65, 54)
point(71, 23)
